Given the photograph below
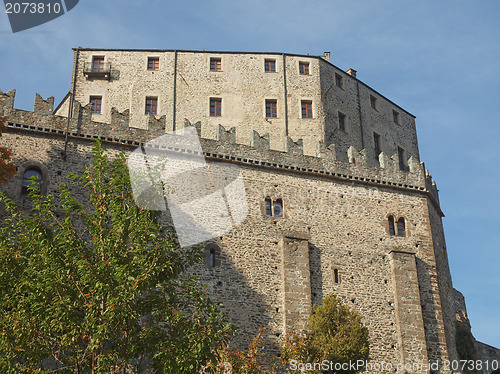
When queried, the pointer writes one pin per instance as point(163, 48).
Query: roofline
point(320, 57)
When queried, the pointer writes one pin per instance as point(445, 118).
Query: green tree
point(336, 334)
point(7, 168)
point(98, 287)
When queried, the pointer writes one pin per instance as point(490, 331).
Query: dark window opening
point(98, 64)
point(271, 109)
point(401, 227)
point(215, 64)
point(342, 121)
point(376, 141)
point(153, 63)
point(373, 102)
point(401, 157)
point(307, 109)
point(151, 105)
point(29, 173)
point(304, 68)
point(338, 80)
point(270, 66)
point(96, 104)
point(215, 107)
point(392, 230)
point(336, 275)
point(395, 116)
point(268, 207)
point(278, 208)
point(212, 258)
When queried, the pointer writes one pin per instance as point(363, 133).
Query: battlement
point(326, 163)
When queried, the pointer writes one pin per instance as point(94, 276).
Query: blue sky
point(438, 60)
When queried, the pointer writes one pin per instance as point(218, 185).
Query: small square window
point(342, 121)
point(307, 109)
point(153, 63)
point(271, 109)
point(373, 102)
point(215, 64)
point(338, 80)
point(151, 105)
point(96, 103)
point(304, 68)
point(270, 66)
point(395, 116)
point(215, 107)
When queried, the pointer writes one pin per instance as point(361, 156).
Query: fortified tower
point(338, 199)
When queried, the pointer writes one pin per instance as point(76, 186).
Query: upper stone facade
point(310, 98)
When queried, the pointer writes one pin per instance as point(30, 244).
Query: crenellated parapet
point(258, 152)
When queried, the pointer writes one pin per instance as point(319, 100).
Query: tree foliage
point(337, 333)
point(98, 287)
point(7, 168)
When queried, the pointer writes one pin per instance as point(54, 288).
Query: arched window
point(401, 227)
point(212, 258)
point(278, 208)
point(29, 173)
point(392, 230)
point(268, 207)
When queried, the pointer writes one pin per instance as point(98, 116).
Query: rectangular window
point(307, 111)
point(96, 102)
point(151, 105)
point(270, 66)
point(401, 157)
point(215, 107)
point(373, 102)
point(395, 116)
point(304, 68)
point(271, 109)
point(215, 64)
point(376, 141)
point(338, 80)
point(97, 64)
point(336, 275)
point(153, 63)
point(342, 121)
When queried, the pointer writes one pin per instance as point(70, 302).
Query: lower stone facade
point(332, 236)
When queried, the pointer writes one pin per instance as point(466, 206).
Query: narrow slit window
point(401, 227)
point(341, 121)
point(395, 117)
point(373, 102)
point(278, 208)
point(212, 258)
point(338, 80)
point(336, 275)
point(376, 142)
point(401, 157)
point(392, 230)
point(268, 208)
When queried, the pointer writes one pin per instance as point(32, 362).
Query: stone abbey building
point(338, 198)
